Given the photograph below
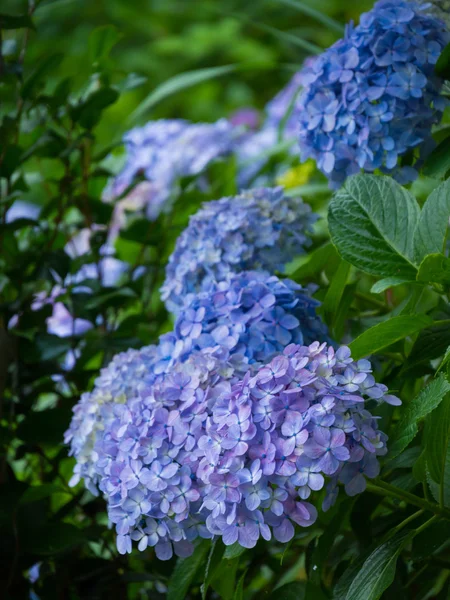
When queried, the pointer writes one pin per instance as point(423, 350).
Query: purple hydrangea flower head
point(262, 472)
point(163, 152)
point(373, 96)
point(253, 314)
point(258, 229)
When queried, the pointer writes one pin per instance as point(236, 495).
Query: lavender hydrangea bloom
point(262, 472)
point(258, 229)
point(164, 151)
point(252, 313)
point(373, 96)
point(185, 453)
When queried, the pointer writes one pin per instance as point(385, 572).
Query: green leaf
point(101, 41)
point(88, 112)
point(378, 571)
point(386, 333)
point(370, 221)
point(387, 283)
point(435, 268)
point(234, 551)
point(431, 231)
point(223, 581)
point(431, 343)
point(318, 15)
point(38, 492)
point(214, 559)
point(16, 22)
point(438, 162)
point(185, 571)
point(313, 262)
point(239, 591)
point(424, 403)
point(442, 67)
point(335, 292)
point(44, 67)
point(290, 591)
point(437, 449)
point(177, 83)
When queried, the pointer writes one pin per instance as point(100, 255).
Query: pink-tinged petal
point(312, 449)
point(169, 471)
point(337, 438)
point(328, 464)
point(322, 436)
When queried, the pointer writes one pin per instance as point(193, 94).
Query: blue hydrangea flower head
point(373, 96)
point(253, 314)
point(258, 229)
point(163, 152)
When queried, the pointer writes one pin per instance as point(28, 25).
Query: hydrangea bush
point(373, 96)
point(224, 367)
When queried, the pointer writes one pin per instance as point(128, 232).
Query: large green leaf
point(177, 83)
point(424, 403)
point(386, 333)
point(437, 449)
point(430, 234)
point(370, 221)
point(185, 571)
point(378, 571)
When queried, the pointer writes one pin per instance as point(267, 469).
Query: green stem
point(407, 521)
point(426, 524)
point(386, 489)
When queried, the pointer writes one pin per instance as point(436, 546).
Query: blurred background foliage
point(71, 85)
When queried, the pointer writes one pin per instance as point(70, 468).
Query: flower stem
point(386, 489)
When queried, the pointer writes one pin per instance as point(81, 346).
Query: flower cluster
point(373, 96)
point(164, 151)
point(197, 448)
point(258, 229)
point(272, 442)
point(252, 313)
